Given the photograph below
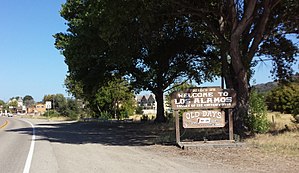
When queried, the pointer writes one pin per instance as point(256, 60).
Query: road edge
point(2, 126)
point(30, 153)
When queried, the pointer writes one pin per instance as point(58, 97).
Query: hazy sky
point(29, 62)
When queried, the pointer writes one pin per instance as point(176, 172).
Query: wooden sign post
point(230, 124)
point(177, 127)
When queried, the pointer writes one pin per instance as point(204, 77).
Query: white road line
point(30, 154)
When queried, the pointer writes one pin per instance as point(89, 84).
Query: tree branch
point(177, 85)
point(259, 31)
point(233, 14)
point(246, 19)
point(203, 15)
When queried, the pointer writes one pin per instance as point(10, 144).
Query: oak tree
point(245, 32)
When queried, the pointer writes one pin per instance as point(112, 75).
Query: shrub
point(51, 113)
point(105, 115)
point(295, 111)
point(258, 113)
point(284, 98)
point(139, 110)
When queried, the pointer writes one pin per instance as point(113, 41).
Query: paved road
point(15, 142)
point(71, 147)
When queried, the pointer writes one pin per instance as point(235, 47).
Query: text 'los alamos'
point(203, 98)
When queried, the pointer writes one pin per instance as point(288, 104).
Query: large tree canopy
point(150, 49)
point(155, 42)
point(246, 32)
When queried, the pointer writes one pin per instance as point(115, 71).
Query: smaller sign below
point(204, 119)
point(48, 104)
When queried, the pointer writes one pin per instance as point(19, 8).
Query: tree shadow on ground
point(105, 133)
point(117, 133)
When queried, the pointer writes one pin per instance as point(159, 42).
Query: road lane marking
point(6, 122)
point(30, 154)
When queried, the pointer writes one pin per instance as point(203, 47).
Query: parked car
point(9, 115)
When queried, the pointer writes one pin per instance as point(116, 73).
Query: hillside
point(265, 87)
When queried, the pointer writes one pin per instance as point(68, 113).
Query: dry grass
point(283, 137)
point(138, 117)
point(60, 118)
point(280, 121)
point(286, 143)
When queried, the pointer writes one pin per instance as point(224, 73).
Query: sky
point(29, 62)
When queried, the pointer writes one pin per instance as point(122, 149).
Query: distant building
point(20, 102)
point(148, 103)
point(40, 108)
point(21, 108)
point(30, 110)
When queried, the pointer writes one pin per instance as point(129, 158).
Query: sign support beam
point(177, 127)
point(231, 124)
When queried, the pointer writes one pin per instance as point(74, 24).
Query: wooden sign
point(204, 119)
point(203, 98)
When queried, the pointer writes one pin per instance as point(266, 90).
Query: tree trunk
point(160, 118)
point(241, 110)
point(241, 86)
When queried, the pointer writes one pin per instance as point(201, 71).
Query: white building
point(149, 104)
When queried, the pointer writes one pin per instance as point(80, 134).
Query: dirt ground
point(248, 158)
point(244, 159)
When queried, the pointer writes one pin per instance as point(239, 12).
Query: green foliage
point(59, 102)
point(155, 42)
point(116, 98)
point(28, 101)
point(295, 111)
point(3, 106)
point(72, 109)
point(139, 110)
point(74, 88)
point(13, 103)
point(105, 115)
point(27, 97)
point(284, 98)
point(51, 114)
point(246, 32)
point(64, 107)
point(100, 42)
point(258, 113)
point(2, 103)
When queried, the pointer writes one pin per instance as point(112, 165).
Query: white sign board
point(48, 104)
point(203, 119)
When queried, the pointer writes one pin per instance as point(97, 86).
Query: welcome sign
point(203, 98)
